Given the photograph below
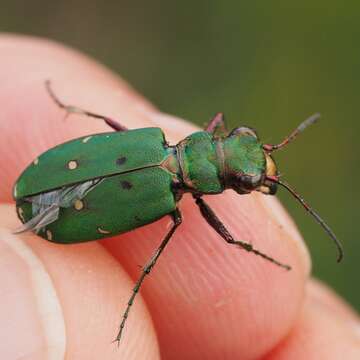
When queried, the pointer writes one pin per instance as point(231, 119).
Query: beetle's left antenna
point(315, 215)
point(309, 121)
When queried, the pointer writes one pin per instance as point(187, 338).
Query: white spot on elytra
point(72, 164)
point(87, 139)
point(21, 214)
point(49, 234)
point(78, 205)
point(102, 231)
point(36, 161)
point(47, 302)
point(15, 190)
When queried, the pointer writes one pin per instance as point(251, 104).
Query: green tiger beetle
point(93, 187)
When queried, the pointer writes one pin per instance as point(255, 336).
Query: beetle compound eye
point(246, 181)
point(249, 182)
point(244, 131)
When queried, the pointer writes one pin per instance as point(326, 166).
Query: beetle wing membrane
point(39, 221)
point(46, 206)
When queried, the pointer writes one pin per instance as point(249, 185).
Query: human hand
point(204, 299)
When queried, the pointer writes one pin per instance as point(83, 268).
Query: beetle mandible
point(75, 191)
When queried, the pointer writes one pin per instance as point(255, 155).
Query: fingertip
point(327, 329)
point(328, 298)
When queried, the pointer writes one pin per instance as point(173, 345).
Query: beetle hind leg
point(76, 110)
point(177, 219)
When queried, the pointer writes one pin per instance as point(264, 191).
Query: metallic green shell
point(92, 157)
point(199, 162)
point(118, 204)
point(135, 190)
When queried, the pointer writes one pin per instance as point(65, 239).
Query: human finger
point(327, 329)
point(64, 300)
point(221, 292)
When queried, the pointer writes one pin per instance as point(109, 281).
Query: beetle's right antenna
point(312, 212)
point(309, 121)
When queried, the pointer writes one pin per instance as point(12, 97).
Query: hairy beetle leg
point(220, 228)
point(75, 110)
point(177, 219)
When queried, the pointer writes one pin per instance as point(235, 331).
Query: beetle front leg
point(220, 228)
point(75, 110)
point(177, 219)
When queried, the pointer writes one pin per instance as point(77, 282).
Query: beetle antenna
point(312, 212)
point(309, 121)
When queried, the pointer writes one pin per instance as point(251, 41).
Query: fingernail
point(36, 300)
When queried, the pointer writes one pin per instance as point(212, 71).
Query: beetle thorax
point(199, 164)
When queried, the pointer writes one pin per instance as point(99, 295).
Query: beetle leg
point(177, 219)
point(75, 110)
point(217, 125)
point(220, 228)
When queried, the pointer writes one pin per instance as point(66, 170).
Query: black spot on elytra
point(126, 185)
point(121, 160)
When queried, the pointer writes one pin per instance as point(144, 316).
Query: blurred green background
point(267, 64)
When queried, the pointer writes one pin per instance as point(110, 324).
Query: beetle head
point(247, 163)
point(262, 175)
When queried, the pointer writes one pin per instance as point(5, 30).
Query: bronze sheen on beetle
point(110, 183)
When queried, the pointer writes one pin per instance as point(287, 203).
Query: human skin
point(205, 299)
